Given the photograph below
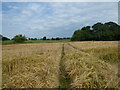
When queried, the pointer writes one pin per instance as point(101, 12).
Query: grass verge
point(34, 41)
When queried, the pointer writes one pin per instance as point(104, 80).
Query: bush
point(19, 38)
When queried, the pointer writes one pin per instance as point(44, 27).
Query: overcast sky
point(54, 19)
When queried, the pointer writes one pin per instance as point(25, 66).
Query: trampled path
point(81, 50)
point(64, 80)
point(63, 77)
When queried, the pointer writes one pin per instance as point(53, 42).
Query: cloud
point(55, 19)
point(13, 7)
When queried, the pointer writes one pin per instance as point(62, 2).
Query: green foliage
point(99, 32)
point(19, 38)
point(7, 42)
point(3, 38)
point(44, 38)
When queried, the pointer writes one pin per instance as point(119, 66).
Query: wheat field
point(92, 64)
point(88, 71)
point(31, 66)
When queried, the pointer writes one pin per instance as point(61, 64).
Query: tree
point(76, 36)
point(57, 38)
point(35, 39)
point(44, 38)
point(3, 38)
point(19, 38)
point(52, 38)
point(99, 31)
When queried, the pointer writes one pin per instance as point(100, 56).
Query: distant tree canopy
point(19, 38)
point(98, 32)
point(3, 38)
point(44, 38)
point(58, 38)
point(32, 39)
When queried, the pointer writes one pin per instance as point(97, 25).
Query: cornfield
point(79, 64)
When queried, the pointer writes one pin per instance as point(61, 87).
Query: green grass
point(34, 41)
point(7, 42)
point(46, 41)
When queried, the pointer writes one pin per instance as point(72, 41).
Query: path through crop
point(81, 50)
point(76, 47)
point(63, 79)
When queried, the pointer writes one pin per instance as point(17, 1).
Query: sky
point(54, 19)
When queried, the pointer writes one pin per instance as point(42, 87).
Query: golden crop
point(31, 66)
point(86, 65)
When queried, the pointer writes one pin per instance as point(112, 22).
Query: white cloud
point(13, 7)
point(58, 19)
point(26, 13)
point(33, 6)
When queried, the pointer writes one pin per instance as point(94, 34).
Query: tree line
point(109, 31)
point(45, 38)
point(21, 38)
